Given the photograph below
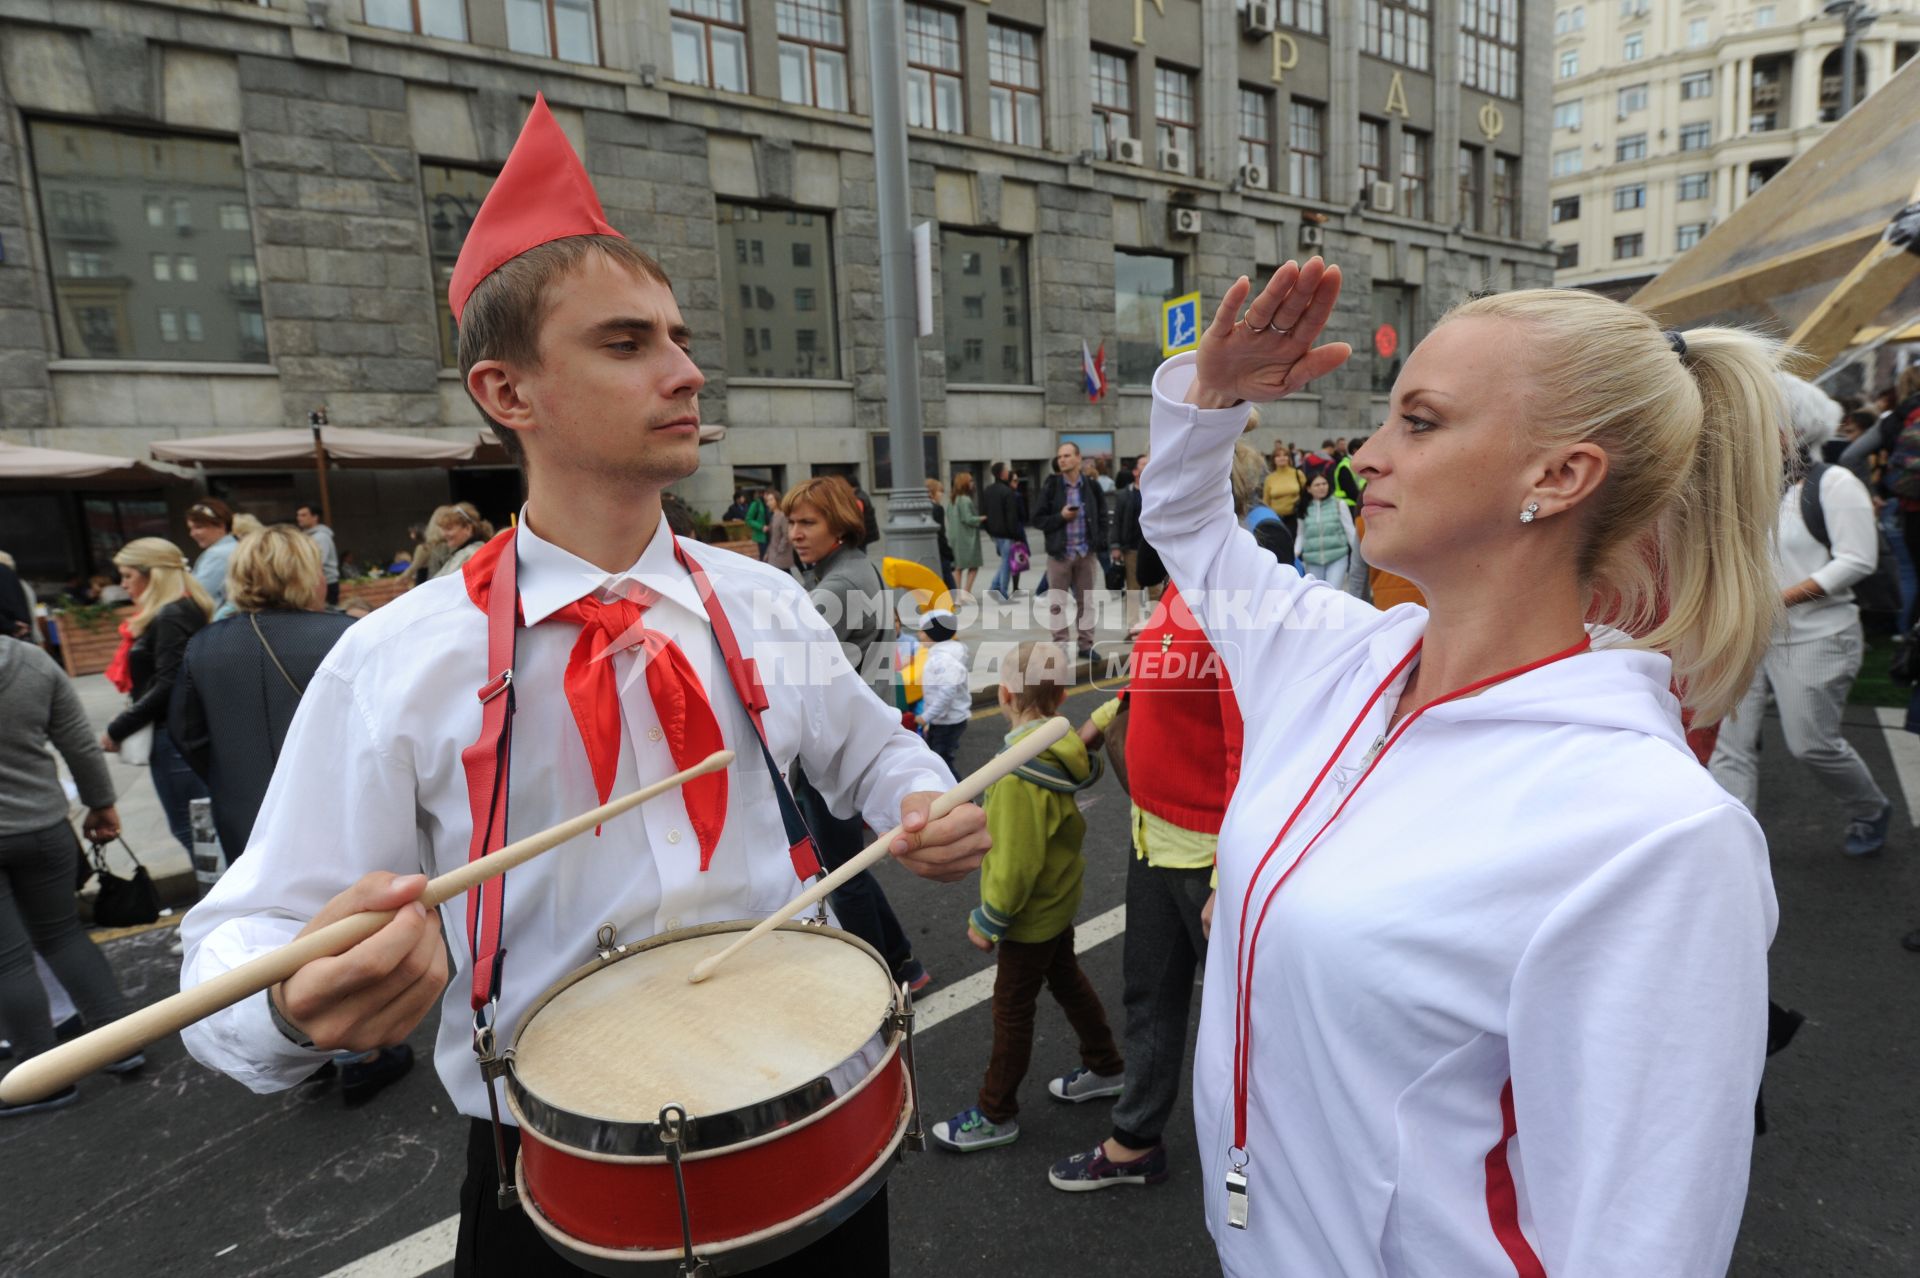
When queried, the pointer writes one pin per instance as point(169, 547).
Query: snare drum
point(735, 1121)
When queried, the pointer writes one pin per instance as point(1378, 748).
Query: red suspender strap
point(745, 674)
point(485, 762)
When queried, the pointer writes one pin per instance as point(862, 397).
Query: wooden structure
point(1821, 255)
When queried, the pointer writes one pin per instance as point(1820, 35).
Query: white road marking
point(433, 1246)
point(1904, 746)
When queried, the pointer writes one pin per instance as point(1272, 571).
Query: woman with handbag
point(239, 686)
point(170, 607)
point(40, 707)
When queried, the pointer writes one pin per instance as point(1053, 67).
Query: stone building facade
point(220, 215)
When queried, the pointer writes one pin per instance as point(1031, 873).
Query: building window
point(1568, 21)
point(118, 208)
point(1697, 85)
point(1634, 47)
point(813, 53)
point(1416, 172)
point(934, 95)
point(1173, 94)
point(1306, 149)
point(1013, 93)
point(1695, 186)
point(1470, 187)
point(1630, 197)
point(710, 44)
point(1398, 31)
point(1373, 153)
point(1632, 98)
point(1309, 16)
point(1761, 172)
point(1566, 209)
point(783, 256)
point(1631, 147)
point(1506, 192)
point(1625, 246)
point(1567, 115)
point(1112, 100)
point(1569, 64)
point(1696, 32)
point(444, 18)
point(1256, 131)
point(1566, 161)
point(1568, 256)
point(554, 29)
point(984, 297)
point(1395, 307)
point(1490, 46)
point(1690, 234)
point(1631, 9)
point(1763, 16)
point(1141, 282)
point(452, 199)
point(1696, 137)
point(243, 277)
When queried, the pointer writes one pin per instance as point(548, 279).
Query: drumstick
point(50, 1071)
point(1026, 750)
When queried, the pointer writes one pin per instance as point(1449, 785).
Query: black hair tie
point(1678, 342)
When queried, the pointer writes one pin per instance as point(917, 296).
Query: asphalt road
point(177, 1171)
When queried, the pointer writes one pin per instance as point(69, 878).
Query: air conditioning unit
point(1312, 237)
point(1175, 160)
point(1254, 176)
point(1128, 151)
point(1184, 221)
point(1380, 196)
point(1258, 19)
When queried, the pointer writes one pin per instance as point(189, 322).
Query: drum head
point(627, 1038)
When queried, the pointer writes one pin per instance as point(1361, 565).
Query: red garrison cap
point(542, 194)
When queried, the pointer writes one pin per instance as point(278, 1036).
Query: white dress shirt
point(1797, 555)
point(370, 779)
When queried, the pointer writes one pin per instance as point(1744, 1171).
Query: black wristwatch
point(288, 1030)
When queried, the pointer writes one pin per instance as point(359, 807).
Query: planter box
point(88, 648)
point(749, 548)
point(373, 593)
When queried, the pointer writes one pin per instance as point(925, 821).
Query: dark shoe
point(1094, 1170)
point(59, 1100)
point(1867, 835)
point(69, 1028)
point(126, 1064)
point(361, 1080)
point(327, 1072)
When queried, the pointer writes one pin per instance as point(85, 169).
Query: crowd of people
point(1485, 952)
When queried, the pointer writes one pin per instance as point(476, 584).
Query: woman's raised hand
point(1269, 353)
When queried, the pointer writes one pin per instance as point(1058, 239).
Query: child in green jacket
point(1029, 889)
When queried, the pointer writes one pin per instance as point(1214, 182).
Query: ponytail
point(1679, 552)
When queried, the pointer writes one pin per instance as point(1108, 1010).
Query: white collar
point(550, 578)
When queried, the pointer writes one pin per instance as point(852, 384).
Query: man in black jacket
point(1073, 515)
point(1126, 533)
point(1005, 526)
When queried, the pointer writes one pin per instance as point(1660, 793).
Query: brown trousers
point(1024, 967)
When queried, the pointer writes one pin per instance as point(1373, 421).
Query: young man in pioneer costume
point(572, 345)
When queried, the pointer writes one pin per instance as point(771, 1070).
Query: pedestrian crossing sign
point(1179, 324)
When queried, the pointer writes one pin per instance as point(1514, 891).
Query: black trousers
point(496, 1243)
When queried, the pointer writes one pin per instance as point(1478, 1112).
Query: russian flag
point(1095, 367)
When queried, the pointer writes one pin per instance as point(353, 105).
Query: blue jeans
point(944, 740)
point(176, 783)
point(1003, 580)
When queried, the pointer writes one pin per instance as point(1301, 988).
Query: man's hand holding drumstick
point(378, 991)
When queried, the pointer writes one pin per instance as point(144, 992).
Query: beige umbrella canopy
point(344, 446)
point(1821, 255)
point(23, 467)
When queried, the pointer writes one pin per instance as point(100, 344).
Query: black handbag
point(123, 902)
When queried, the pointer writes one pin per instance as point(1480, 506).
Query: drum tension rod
point(673, 1120)
point(916, 1139)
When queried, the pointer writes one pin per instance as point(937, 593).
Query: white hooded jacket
point(1508, 1017)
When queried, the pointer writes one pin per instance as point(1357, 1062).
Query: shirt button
point(673, 836)
point(653, 734)
point(673, 925)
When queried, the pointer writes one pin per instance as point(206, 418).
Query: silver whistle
point(1236, 1199)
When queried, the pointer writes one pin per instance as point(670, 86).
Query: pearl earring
point(1533, 508)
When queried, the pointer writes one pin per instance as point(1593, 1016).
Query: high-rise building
point(221, 216)
point(1667, 114)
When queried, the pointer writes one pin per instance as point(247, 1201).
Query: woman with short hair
point(461, 530)
point(170, 607)
point(210, 525)
point(1487, 992)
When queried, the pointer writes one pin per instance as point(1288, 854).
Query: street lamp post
point(1857, 18)
point(910, 530)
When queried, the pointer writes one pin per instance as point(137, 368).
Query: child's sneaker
point(1094, 1170)
point(1085, 1085)
point(970, 1129)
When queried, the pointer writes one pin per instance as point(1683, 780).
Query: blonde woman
point(461, 532)
point(1488, 989)
point(170, 607)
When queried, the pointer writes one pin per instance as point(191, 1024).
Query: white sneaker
point(1085, 1085)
